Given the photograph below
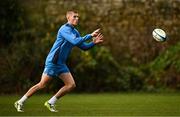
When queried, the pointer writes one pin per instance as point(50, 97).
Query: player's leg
point(44, 80)
point(69, 84)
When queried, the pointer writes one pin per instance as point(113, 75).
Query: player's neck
point(70, 24)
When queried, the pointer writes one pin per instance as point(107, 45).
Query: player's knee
point(41, 85)
point(71, 86)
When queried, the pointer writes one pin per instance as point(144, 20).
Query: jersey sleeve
point(72, 38)
point(86, 46)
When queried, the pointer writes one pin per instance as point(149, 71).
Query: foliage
point(128, 60)
point(12, 21)
point(164, 70)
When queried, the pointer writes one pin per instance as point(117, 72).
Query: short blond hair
point(70, 12)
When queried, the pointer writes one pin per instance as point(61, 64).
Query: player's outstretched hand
point(98, 39)
point(95, 33)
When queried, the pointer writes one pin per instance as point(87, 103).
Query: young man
point(55, 65)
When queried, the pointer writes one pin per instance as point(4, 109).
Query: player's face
point(73, 19)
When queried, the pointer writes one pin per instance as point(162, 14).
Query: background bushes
point(129, 59)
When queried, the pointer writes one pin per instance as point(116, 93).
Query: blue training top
point(67, 38)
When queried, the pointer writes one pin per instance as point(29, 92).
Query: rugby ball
point(159, 35)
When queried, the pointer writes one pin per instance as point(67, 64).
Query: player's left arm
point(85, 46)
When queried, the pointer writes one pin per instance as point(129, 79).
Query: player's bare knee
point(71, 86)
point(41, 85)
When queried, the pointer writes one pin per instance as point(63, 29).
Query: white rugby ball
point(159, 34)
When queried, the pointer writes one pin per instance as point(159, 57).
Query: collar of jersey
point(67, 24)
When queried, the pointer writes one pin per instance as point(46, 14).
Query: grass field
point(128, 104)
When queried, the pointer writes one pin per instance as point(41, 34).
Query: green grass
point(135, 104)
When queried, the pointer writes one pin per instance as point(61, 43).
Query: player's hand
point(98, 39)
point(95, 33)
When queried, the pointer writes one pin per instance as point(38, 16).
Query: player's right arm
point(68, 34)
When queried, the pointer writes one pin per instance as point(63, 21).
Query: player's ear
point(67, 16)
